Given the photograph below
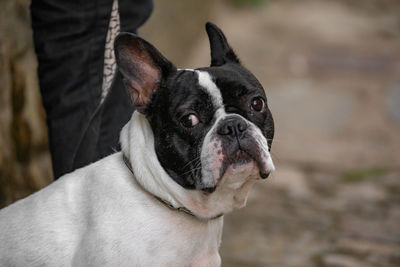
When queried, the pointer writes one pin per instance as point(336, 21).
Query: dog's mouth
point(260, 159)
point(240, 157)
point(245, 160)
point(244, 156)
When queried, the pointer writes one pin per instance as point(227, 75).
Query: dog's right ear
point(221, 51)
point(142, 66)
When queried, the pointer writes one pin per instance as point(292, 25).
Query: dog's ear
point(142, 66)
point(221, 52)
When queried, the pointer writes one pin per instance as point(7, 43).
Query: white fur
point(207, 83)
point(100, 216)
point(186, 69)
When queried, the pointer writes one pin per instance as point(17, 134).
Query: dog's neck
point(137, 142)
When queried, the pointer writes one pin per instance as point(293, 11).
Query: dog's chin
point(242, 164)
point(241, 168)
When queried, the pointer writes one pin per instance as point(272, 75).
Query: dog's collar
point(166, 203)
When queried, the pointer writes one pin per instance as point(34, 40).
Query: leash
point(164, 202)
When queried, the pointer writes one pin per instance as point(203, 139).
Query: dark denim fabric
point(69, 38)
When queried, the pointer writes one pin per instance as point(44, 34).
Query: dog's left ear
point(142, 66)
point(221, 51)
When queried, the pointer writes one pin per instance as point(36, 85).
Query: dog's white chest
point(143, 231)
point(165, 241)
point(107, 220)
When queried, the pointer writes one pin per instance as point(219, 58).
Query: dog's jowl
point(195, 145)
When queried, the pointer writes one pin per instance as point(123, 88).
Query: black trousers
point(69, 38)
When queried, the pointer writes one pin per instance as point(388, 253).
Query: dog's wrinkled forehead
point(190, 89)
point(206, 83)
point(235, 80)
point(220, 84)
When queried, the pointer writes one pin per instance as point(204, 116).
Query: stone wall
point(24, 159)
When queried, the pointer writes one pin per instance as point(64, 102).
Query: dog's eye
point(190, 120)
point(257, 104)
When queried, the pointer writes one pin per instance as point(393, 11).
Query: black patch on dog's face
point(178, 147)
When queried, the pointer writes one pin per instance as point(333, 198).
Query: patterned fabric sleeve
point(109, 57)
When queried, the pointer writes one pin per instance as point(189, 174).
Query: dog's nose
point(232, 127)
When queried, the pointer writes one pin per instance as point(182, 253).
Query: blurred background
point(331, 70)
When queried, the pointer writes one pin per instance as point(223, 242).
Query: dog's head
point(208, 123)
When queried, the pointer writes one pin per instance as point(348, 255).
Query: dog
point(197, 142)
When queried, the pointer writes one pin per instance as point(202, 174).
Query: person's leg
point(70, 38)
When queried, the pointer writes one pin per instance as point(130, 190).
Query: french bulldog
point(197, 142)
